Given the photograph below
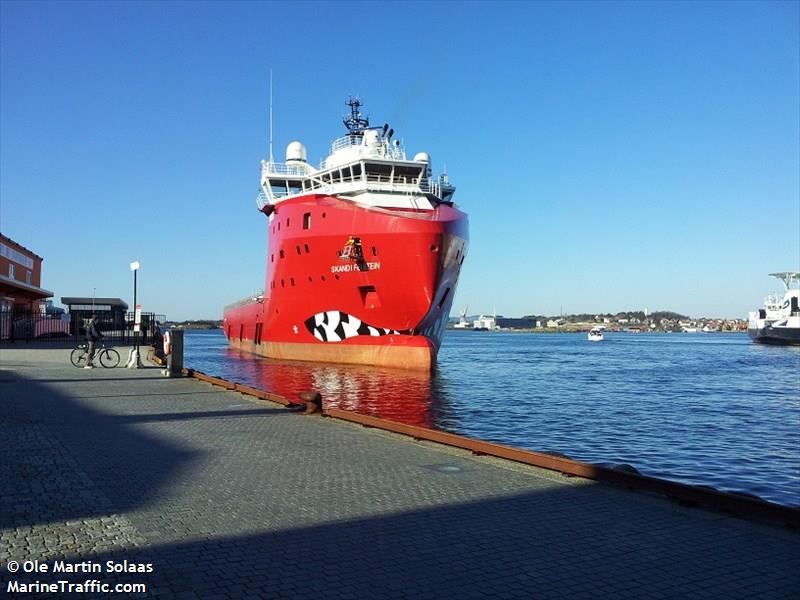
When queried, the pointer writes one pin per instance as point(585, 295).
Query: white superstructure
point(779, 320)
point(366, 165)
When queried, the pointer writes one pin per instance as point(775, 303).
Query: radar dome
point(370, 137)
point(422, 157)
point(296, 151)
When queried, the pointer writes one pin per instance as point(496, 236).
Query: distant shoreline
point(584, 330)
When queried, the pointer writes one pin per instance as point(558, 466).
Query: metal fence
point(71, 328)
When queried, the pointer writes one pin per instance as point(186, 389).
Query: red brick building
point(20, 278)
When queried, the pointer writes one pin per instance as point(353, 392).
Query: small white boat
point(595, 335)
point(462, 321)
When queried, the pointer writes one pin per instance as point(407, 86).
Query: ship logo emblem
point(336, 326)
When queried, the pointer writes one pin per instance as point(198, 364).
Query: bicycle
point(108, 357)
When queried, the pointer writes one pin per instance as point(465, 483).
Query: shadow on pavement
point(43, 475)
point(244, 520)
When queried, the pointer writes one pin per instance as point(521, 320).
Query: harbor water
point(708, 409)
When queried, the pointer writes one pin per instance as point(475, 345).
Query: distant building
point(485, 322)
point(20, 278)
point(110, 311)
point(48, 308)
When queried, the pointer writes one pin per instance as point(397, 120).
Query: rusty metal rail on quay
point(705, 497)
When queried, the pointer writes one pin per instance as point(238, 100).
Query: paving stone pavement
point(230, 497)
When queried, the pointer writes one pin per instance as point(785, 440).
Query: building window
point(28, 277)
point(11, 271)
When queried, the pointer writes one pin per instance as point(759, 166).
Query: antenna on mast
point(355, 122)
point(270, 117)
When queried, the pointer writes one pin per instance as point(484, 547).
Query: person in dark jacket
point(158, 345)
point(93, 335)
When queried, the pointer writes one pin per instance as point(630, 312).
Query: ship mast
point(270, 117)
point(355, 122)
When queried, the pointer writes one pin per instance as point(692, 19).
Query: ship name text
point(350, 267)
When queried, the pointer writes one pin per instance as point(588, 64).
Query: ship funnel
point(391, 133)
point(385, 127)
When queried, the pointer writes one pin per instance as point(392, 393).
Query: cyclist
point(93, 335)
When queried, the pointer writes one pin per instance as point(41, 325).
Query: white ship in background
point(778, 322)
point(462, 321)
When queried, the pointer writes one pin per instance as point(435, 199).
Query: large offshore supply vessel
point(363, 255)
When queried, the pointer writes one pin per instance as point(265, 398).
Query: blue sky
point(611, 156)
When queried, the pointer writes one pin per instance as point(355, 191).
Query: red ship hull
point(385, 305)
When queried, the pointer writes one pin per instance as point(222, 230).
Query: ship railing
point(379, 150)
point(347, 141)
point(333, 182)
point(256, 297)
point(274, 168)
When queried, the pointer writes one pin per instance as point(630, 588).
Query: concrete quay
point(227, 496)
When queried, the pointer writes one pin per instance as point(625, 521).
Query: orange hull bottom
point(403, 356)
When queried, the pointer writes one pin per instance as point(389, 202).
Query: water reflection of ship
point(407, 396)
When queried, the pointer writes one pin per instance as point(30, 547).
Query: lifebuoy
point(167, 343)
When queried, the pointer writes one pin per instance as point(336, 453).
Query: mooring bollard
point(313, 402)
point(175, 356)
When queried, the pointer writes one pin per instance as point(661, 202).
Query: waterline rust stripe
point(684, 493)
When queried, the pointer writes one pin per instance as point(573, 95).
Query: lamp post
point(133, 361)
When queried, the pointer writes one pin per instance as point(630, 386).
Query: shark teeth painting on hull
point(336, 326)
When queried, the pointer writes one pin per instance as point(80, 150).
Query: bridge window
point(378, 172)
point(278, 187)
